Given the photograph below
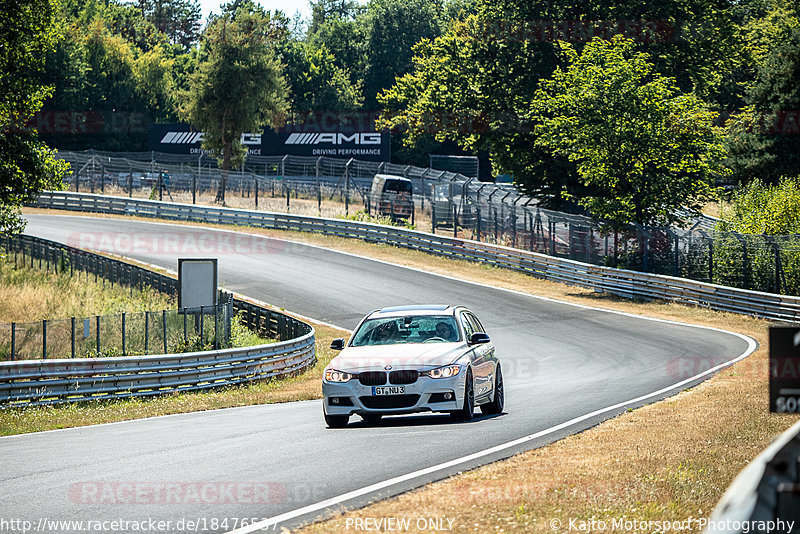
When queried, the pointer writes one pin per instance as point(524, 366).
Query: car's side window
point(469, 329)
point(475, 323)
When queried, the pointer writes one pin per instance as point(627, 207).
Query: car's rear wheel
point(496, 406)
point(467, 410)
point(371, 418)
point(337, 421)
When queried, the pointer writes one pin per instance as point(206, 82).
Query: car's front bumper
point(424, 395)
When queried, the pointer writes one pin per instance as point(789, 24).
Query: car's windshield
point(408, 329)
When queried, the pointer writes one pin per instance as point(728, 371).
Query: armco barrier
point(615, 281)
point(765, 497)
point(55, 381)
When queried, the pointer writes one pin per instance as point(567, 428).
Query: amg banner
point(311, 138)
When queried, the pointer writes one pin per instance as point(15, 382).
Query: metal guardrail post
point(228, 320)
point(347, 186)
point(124, 337)
point(216, 327)
point(164, 328)
point(72, 336)
point(514, 222)
point(97, 334)
point(44, 339)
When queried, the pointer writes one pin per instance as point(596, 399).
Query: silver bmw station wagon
point(409, 359)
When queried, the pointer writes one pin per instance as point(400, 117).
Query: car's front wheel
point(466, 411)
point(496, 406)
point(337, 421)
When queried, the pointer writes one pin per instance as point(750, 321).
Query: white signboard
point(197, 278)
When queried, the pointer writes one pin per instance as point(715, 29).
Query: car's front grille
point(372, 378)
point(403, 377)
point(389, 401)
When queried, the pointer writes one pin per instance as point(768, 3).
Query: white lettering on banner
point(332, 138)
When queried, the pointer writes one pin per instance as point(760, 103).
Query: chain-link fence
point(122, 334)
point(467, 166)
point(454, 203)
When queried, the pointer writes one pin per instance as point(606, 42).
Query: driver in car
point(444, 331)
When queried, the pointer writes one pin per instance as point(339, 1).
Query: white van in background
point(391, 196)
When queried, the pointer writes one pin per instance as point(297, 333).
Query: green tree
point(337, 26)
point(761, 208)
point(469, 86)
point(316, 82)
point(323, 11)
point(179, 20)
point(641, 148)
point(474, 83)
point(111, 75)
point(27, 166)
point(393, 27)
point(763, 139)
point(238, 86)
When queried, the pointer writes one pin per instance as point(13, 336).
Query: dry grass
point(28, 295)
point(715, 208)
point(670, 460)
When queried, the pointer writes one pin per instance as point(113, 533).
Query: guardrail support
point(164, 328)
point(347, 186)
point(124, 339)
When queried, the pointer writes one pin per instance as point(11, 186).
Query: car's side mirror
point(337, 344)
point(479, 338)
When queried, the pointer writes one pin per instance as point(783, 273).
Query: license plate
point(389, 390)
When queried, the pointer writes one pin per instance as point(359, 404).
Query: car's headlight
point(444, 372)
point(338, 376)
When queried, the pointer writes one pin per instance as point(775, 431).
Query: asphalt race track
point(560, 362)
